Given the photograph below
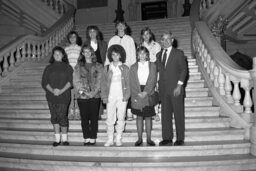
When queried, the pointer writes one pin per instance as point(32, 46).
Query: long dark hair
point(81, 60)
point(127, 30)
point(60, 49)
point(99, 35)
point(152, 36)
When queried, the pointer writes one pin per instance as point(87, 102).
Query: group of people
point(121, 76)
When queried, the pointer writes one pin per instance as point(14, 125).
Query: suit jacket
point(136, 101)
point(174, 71)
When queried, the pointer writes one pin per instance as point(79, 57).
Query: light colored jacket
point(106, 82)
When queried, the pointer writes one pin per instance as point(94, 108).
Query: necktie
point(164, 57)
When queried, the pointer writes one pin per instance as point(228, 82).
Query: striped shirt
point(73, 52)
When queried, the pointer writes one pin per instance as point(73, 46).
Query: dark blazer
point(102, 45)
point(174, 71)
point(136, 101)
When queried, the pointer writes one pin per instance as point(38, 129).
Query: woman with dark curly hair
point(115, 92)
point(57, 81)
point(87, 77)
point(95, 39)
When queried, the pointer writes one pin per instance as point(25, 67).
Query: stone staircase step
point(204, 111)
point(190, 149)
point(75, 125)
point(191, 135)
point(210, 163)
point(196, 92)
point(195, 84)
point(42, 104)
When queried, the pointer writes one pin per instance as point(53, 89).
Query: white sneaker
point(109, 143)
point(92, 141)
point(87, 140)
point(119, 143)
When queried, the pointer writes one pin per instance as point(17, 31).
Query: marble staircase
point(26, 133)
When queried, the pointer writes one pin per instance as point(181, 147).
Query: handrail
point(31, 47)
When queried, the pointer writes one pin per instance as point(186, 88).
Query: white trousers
point(116, 110)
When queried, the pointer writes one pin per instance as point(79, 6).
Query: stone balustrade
point(30, 47)
point(230, 84)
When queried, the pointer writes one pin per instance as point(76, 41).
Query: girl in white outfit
point(115, 92)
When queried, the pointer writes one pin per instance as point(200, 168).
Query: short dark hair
point(77, 37)
point(117, 49)
point(93, 27)
point(60, 49)
point(142, 48)
point(81, 60)
point(152, 36)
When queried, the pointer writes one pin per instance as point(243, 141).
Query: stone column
point(253, 127)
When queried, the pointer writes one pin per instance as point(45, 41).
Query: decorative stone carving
point(219, 26)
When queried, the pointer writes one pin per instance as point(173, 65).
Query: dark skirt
point(147, 111)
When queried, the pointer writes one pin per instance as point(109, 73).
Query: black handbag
point(153, 99)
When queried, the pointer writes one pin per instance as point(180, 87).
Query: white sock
point(64, 137)
point(57, 137)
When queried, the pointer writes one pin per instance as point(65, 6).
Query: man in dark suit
point(172, 67)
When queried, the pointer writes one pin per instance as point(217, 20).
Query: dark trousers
point(173, 105)
point(89, 112)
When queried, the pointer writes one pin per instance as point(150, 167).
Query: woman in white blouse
point(148, 41)
point(143, 78)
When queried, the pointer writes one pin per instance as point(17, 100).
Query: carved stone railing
point(34, 48)
point(224, 77)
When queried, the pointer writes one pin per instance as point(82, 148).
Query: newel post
point(253, 127)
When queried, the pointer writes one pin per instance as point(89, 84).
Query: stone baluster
point(208, 64)
point(43, 50)
point(5, 65)
point(33, 46)
point(28, 51)
point(236, 93)
point(253, 127)
point(38, 49)
point(11, 61)
point(247, 103)
point(212, 66)
point(228, 89)
point(221, 80)
point(216, 76)
point(47, 47)
point(18, 56)
point(23, 52)
point(50, 44)
point(205, 57)
point(201, 50)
